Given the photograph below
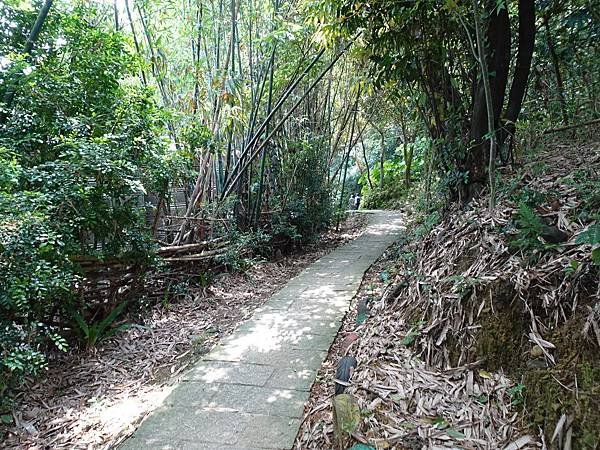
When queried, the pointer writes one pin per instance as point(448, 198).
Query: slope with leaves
point(484, 317)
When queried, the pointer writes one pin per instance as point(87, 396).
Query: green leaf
point(485, 374)
point(440, 422)
point(455, 433)
point(409, 339)
point(361, 317)
point(111, 317)
point(82, 325)
point(482, 398)
point(450, 5)
point(596, 255)
point(590, 236)
point(6, 419)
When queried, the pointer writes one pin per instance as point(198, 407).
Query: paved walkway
point(250, 391)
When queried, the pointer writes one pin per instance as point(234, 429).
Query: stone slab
point(271, 432)
point(239, 398)
point(297, 379)
point(230, 373)
point(189, 424)
point(286, 358)
point(250, 391)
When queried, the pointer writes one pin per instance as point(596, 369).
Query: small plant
point(592, 236)
point(529, 227)
point(428, 223)
point(516, 394)
point(98, 331)
point(204, 279)
point(572, 267)
point(238, 256)
point(410, 338)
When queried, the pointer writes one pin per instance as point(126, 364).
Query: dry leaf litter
point(421, 381)
point(94, 400)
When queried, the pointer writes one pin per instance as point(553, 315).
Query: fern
point(529, 227)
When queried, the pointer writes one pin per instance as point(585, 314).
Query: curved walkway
point(249, 392)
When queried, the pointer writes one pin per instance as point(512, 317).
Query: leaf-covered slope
point(487, 335)
point(495, 286)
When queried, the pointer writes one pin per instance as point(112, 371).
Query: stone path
point(250, 391)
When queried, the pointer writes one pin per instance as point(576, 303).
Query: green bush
point(529, 229)
point(389, 197)
point(79, 151)
point(591, 235)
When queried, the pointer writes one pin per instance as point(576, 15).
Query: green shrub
point(389, 197)
point(592, 236)
point(79, 151)
point(94, 332)
point(529, 228)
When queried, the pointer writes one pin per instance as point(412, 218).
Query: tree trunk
point(522, 69)
point(116, 13)
point(196, 57)
point(364, 153)
point(347, 156)
point(489, 99)
point(381, 156)
point(497, 61)
point(135, 42)
point(555, 64)
point(407, 152)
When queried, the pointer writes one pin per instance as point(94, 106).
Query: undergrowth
point(544, 391)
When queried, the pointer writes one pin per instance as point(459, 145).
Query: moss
point(503, 343)
point(571, 387)
point(501, 339)
point(546, 401)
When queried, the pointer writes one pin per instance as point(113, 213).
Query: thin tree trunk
point(116, 13)
point(240, 165)
point(556, 65)
point(157, 75)
point(381, 156)
point(497, 62)
point(364, 153)
point(196, 59)
point(488, 99)
point(347, 156)
point(407, 152)
point(9, 96)
point(136, 42)
point(264, 153)
point(253, 155)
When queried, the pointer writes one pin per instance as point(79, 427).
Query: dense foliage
point(80, 148)
point(102, 126)
point(131, 124)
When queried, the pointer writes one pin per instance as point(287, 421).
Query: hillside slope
point(487, 335)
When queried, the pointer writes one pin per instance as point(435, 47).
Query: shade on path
point(250, 391)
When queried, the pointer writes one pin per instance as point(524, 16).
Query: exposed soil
point(94, 399)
